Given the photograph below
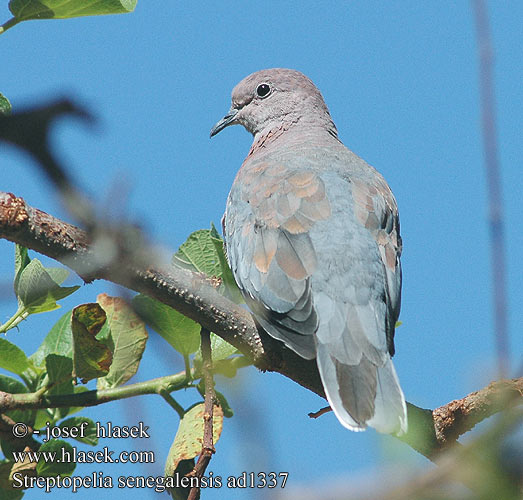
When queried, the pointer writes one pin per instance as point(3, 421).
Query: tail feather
point(357, 391)
point(391, 411)
point(329, 378)
point(363, 395)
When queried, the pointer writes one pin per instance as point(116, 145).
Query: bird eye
point(263, 90)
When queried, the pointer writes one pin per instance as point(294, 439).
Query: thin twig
point(210, 398)
point(495, 201)
point(319, 413)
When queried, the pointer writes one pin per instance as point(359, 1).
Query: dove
point(312, 237)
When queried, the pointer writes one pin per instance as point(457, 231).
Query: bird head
point(274, 97)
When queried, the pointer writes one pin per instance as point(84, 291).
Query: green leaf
point(60, 373)
point(58, 341)
point(229, 284)
point(181, 332)
point(203, 252)
point(189, 438)
point(92, 357)
point(198, 254)
point(220, 349)
point(5, 105)
point(7, 491)
point(60, 9)
point(56, 468)
point(21, 262)
point(11, 385)
point(213, 232)
point(38, 288)
point(227, 410)
point(12, 358)
point(58, 274)
point(89, 431)
point(42, 417)
point(34, 376)
point(229, 367)
point(129, 335)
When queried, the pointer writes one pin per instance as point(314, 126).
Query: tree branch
point(183, 290)
point(431, 432)
point(460, 416)
point(192, 295)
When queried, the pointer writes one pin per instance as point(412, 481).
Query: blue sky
point(401, 82)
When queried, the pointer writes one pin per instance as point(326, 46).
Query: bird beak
point(228, 119)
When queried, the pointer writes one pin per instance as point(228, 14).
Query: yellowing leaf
point(92, 357)
point(129, 337)
point(189, 439)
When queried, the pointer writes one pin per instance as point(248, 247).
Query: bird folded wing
point(375, 208)
point(277, 254)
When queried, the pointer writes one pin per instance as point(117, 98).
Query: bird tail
point(390, 414)
point(364, 394)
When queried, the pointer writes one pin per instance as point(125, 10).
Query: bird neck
point(294, 132)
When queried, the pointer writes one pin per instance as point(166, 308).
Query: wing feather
point(271, 252)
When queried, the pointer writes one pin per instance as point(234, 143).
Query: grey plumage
point(312, 238)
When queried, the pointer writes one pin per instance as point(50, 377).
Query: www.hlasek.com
point(105, 456)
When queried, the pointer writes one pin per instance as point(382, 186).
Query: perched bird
point(312, 238)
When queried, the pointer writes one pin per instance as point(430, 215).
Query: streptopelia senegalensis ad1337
point(312, 238)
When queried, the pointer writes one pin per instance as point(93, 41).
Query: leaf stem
point(37, 400)
point(172, 402)
point(45, 387)
point(17, 317)
point(188, 372)
point(9, 24)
